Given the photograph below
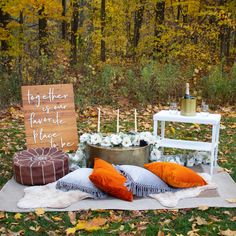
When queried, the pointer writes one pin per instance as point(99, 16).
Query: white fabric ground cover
point(13, 193)
point(49, 196)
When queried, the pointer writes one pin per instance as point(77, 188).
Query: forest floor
point(193, 222)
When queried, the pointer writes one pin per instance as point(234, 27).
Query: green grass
point(133, 222)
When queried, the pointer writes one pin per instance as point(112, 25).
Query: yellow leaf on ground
point(36, 229)
point(91, 225)
point(231, 200)
point(197, 126)
point(201, 221)
point(17, 216)
point(81, 224)
point(228, 232)
point(70, 231)
point(39, 211)
point(203, 208)
point(56, 218)
point(172, 130)
point(2, 215)
point(122, 227)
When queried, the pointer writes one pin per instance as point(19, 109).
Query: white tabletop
point(199, 118)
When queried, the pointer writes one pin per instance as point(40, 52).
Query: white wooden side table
point(210, 119)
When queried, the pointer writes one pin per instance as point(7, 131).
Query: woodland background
point(122, 51)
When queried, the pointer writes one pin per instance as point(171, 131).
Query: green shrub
point(219, 87)
point(9, 89)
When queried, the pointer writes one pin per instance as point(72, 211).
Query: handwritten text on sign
point(50, 118)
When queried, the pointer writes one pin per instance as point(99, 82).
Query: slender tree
point(5, 59)
point(138, 19)
point(4, 20)
point(42, 27)
point(103, 24)
point(159, 20)
point(74, 30)
point(64, 23)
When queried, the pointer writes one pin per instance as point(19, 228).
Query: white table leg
point(217, 143)
point(163, 129)
point(213, 140)
point(162, 134)
point(155, 127)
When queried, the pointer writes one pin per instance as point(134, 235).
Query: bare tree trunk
point(74, 29)
point(42, 22)
point(4, 20)
point(138, 19)
point(225, 33)
point(64, 23)
point(178, 11)
point(103, 24)
point(159, 20)
point(21, 21)
point(128, 35)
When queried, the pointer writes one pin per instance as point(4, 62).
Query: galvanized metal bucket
point(118, 155)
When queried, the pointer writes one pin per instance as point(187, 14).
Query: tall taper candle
point(135, 121)
point(99, 119)
point(117, 122)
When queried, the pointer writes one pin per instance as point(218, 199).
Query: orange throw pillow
point(176, 175)
point(108, 179)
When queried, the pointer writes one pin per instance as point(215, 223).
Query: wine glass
point(173, 109)
point(204, 109)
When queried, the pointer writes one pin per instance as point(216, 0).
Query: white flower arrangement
point(133, 139)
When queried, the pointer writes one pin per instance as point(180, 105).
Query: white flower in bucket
point(126, 142)
point(84, 138)
point(106, 142)
point(146, 136)
point(116, 139)
point(96, 139)
point(155, 155)
point(136, 140)
point(190, 162)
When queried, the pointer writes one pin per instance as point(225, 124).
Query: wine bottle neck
point(187, 89)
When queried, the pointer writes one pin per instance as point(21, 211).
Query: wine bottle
point(187, 94)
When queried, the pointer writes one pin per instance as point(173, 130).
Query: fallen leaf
point(231, 200)
point(122, 227)
point(172, 130)
point(91, 225)
point(70, 231)
point(197, 126)
point(160, 233)
point(222, 126)
point(227, 213)
point(203, 208)
point(201, 221)
point(233, 219)
point(228, 232)
point(56, 218)
point(214, 218)
point(72, 216)
point(2, 215)
point(36, 229)
point(39, 211)
point(17, 216)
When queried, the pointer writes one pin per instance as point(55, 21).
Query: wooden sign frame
point(50, 118)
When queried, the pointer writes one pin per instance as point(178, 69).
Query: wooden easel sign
point(50, 119)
